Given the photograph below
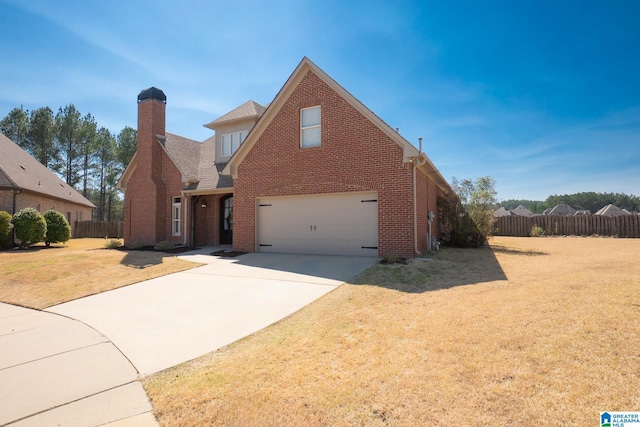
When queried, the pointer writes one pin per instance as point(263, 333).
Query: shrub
point(58, 228)
point(393, 258)
point(537, 231)
point(5, 229)
point(134, 246)
point(165, 245)
point(457, 227)
point(30, 227)
point(113, 244)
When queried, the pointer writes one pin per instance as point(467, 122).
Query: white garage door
point(332, 224)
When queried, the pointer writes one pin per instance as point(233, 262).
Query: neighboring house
point(313, 172)
point(522, 211)
point(502, 211)
point(519, 211)
point(612, 211)
point(562, 210)
point(583, 212)
point(26, 183)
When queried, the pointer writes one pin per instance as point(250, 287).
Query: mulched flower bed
point(227, 254)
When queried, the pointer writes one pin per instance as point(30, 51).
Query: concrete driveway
point(162, 322)
point(78, 363)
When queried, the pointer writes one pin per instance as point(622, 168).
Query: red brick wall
point(172, 187)
point(427, 196)
point(355, 155)
point(207, 227)
point(422, 197)
point(144, 214)
point(73, 212)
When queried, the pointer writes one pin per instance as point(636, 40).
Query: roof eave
point(217, 124)
point(126, 175)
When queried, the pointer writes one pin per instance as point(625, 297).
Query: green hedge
point(5, 230)
point(30, 227)
point(58, 228)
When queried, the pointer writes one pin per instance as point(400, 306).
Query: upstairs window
point(310, 131)
point(231, 142)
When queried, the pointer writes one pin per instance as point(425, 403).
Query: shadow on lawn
point(35, 248)
point(143, 259)
point(448, 268)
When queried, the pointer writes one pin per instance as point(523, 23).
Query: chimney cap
point(152, 93)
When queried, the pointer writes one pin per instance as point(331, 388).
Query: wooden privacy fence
point(98, 229)
point(582, 225)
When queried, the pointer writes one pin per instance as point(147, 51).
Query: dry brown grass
point(41, 277)
point(529, 332)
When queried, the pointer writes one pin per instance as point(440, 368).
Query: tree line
point(88, 157)
point(591, 201)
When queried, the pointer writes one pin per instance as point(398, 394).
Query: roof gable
point(248, 110)
point(612, 210)
point(21, 171)
point(562, 209)
point(304, 67)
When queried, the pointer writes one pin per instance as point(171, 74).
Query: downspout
point(15, 205)
point(417, 161)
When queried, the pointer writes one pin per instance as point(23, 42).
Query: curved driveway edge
point(55, 370)
point(58, 371)
point(165, 321)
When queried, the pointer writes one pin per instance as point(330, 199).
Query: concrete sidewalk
point(58, 371)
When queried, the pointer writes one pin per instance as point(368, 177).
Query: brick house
point(313, 172)
point(26, 183)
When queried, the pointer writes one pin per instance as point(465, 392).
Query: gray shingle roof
point(502, 211)
point(522, 211)
point(249, 109)
point(562, 209)
point(196, 161)
point(209, 177)
point(19, 170)
point(611, 211)
point(184, 152)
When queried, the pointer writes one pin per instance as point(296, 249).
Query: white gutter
point(417, 161)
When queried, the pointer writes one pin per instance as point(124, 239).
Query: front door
point(226, 220)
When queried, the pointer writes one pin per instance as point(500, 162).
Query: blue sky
point(544, 96)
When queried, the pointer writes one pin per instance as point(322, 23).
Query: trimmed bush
point(58, 228)
point(134, 246)
point(113, 244)
point(30, 227)
point(165, 245)
point(5, 229)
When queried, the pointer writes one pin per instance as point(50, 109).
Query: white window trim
point(240, 136)
point(315, 126)
point(176, 216)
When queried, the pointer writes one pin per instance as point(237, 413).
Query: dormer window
point(231, 142)
point(310, 130)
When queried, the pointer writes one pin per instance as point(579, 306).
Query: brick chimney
point(146, 193)
point(151, 123)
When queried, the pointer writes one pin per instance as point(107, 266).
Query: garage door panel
point(338, 224)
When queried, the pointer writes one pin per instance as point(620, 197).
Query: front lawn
point(40, 276)
point(531, 331)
